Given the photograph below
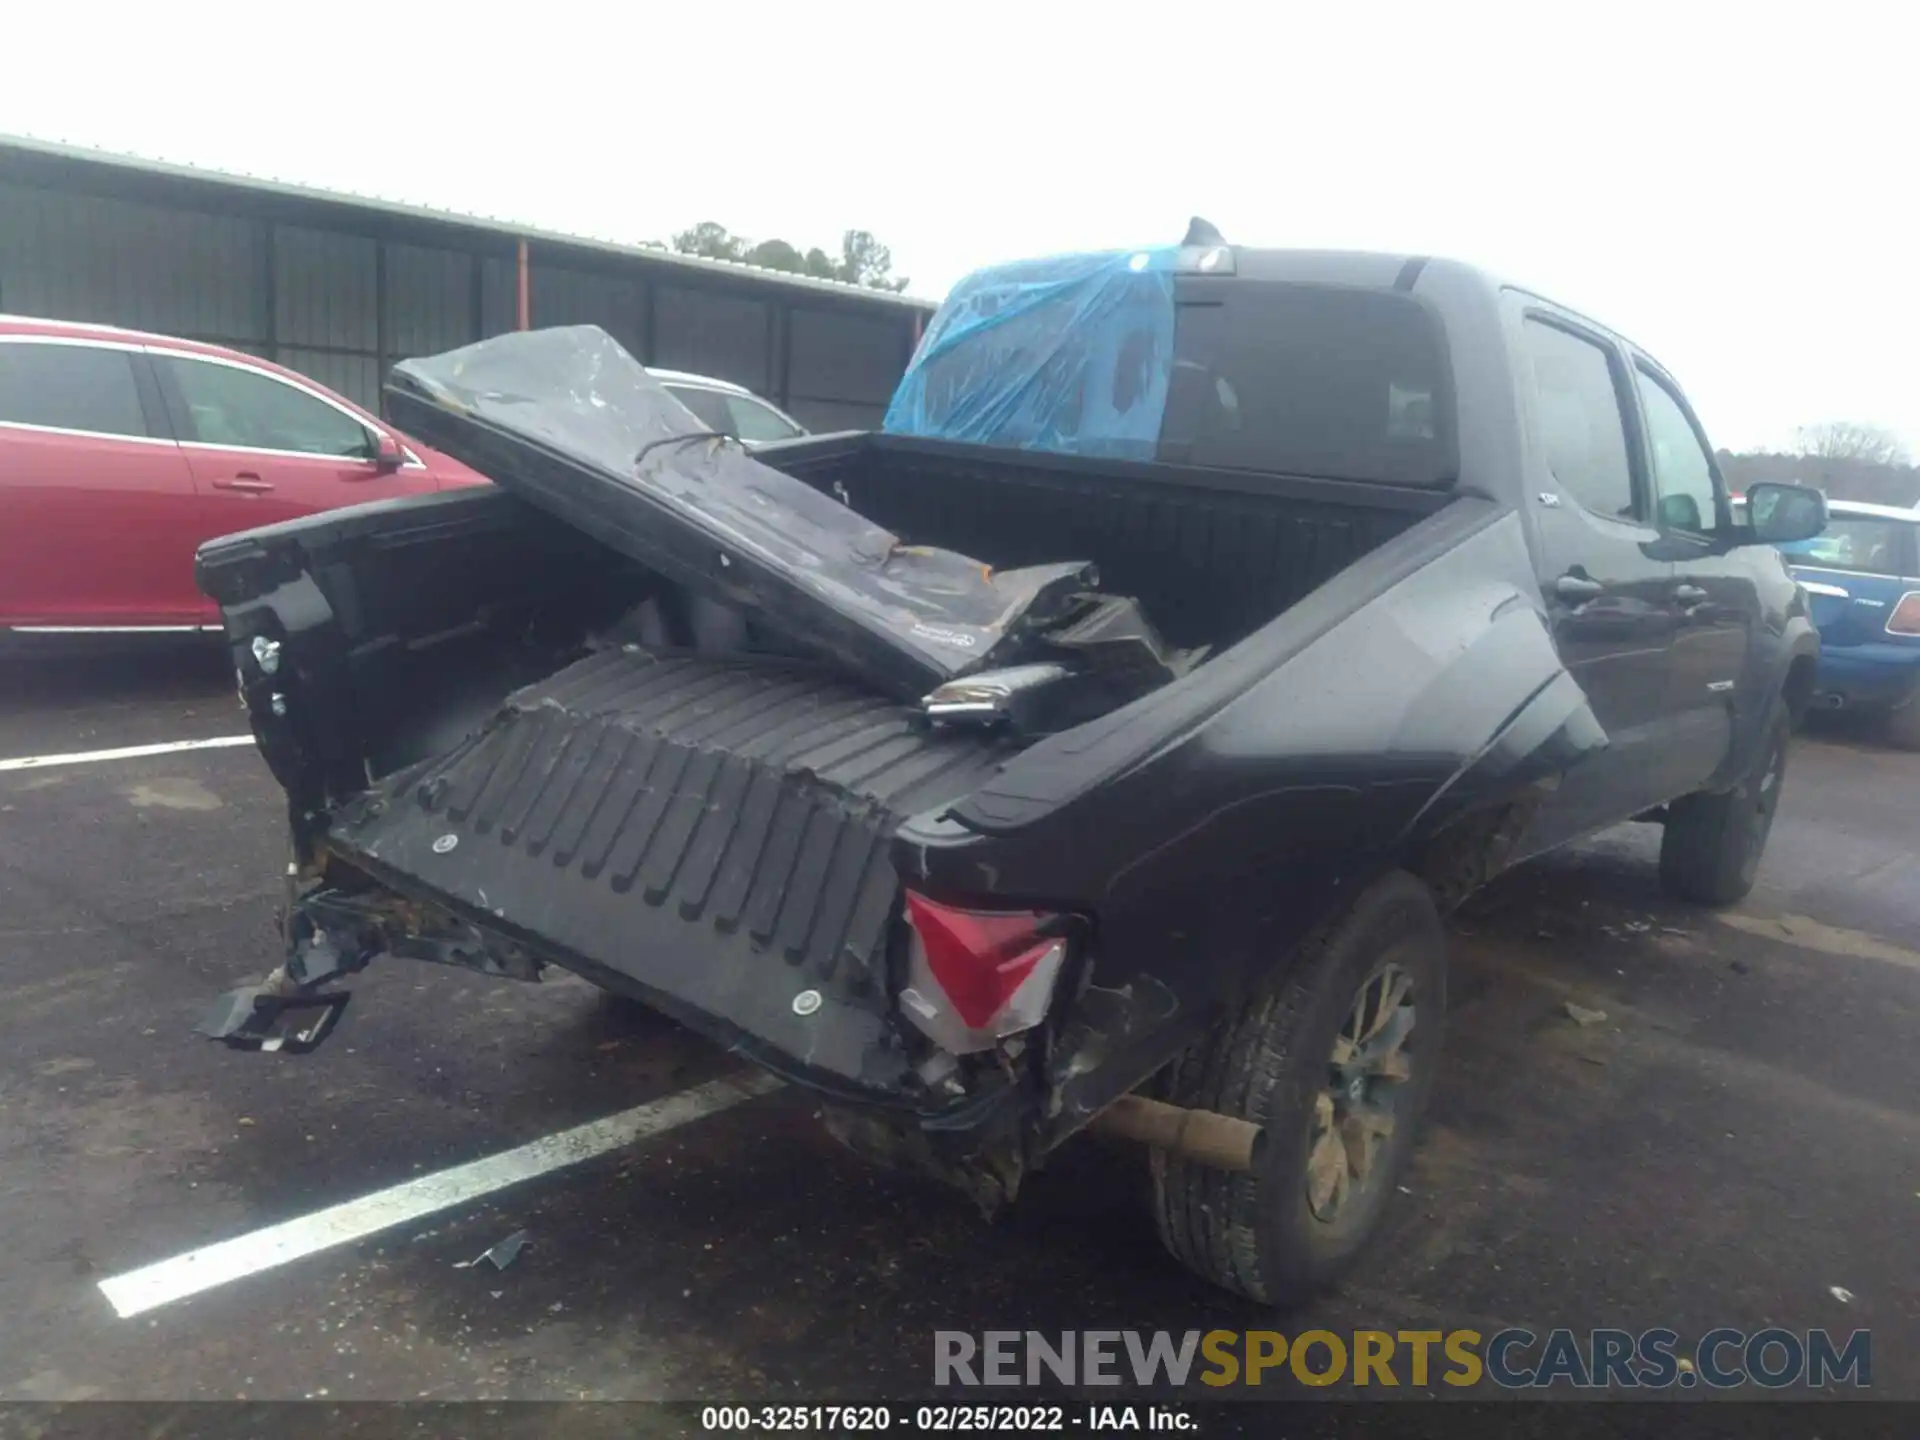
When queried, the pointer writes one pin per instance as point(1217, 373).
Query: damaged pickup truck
point(1097, 745)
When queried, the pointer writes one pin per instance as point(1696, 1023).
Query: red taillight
point(977, 976)
point(1905, 619)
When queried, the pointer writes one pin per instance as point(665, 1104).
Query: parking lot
point(1736, 1143)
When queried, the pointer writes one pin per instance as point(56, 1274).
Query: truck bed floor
point(714, 828)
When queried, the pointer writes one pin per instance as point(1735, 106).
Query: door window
point(1682, 469)
point(709, 406)
point(70, 387)
point(757, 422)
point(1579, 418)
point(244, 408)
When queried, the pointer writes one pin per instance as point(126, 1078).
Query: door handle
point(1689, 594)
point(246, 483)
point(1576, 587)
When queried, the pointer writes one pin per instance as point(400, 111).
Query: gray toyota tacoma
point(1098, 744)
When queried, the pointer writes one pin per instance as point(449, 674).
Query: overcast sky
point(1734, 191)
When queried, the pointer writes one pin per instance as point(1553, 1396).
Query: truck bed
point(684, 822)
point(1211, 555)
point(468, 733)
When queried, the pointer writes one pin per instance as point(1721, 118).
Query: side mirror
point(388, 455)
point(1782, 514)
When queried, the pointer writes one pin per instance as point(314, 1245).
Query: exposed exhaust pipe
point(1206, 1137)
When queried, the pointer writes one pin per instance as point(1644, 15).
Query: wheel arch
point(1797, 686)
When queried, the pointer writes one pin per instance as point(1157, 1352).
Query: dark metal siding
point(616, 303)
point(340, 294)
point(85, 257)
point(429, 300)
point(844, 368)
point(324, 318)
point(712, 335)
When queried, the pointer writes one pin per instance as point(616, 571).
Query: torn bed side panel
point(1206, 861)
point(574, 424)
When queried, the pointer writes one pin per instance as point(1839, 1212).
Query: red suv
point(120, 452)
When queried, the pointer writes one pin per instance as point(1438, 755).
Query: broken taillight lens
point(975, 977)
point(1905, 619)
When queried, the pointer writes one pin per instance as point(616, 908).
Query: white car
point(728, 408)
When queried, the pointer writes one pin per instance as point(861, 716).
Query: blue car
point(1862, 578)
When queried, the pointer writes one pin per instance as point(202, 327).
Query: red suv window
point(69, 387)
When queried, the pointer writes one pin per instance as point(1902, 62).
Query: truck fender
point(1485, 804)
point(1791, 661)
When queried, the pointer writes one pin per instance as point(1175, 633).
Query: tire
point(1903, 725)
point(1264, 1234)
point(1713, 843)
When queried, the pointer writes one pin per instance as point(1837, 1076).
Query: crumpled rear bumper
point(713, 835)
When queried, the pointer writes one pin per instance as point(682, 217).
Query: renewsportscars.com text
point(1773, 1358)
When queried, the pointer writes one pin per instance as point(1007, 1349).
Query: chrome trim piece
point(89, 434)
point(1814, 587)
point(1719, 686)
point(1842, 570)
point(78, 342)
point(115, 629)
point(99, 325)
point(261, 450)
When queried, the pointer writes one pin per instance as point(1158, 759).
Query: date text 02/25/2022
point(946, 1419)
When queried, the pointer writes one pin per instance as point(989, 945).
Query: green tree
point(1849, 440)
point(863, 260)
point(776, 255)
point(710, 242)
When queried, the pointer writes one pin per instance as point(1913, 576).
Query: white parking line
point(125, 752)
point(139, 1291)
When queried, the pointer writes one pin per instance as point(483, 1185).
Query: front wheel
point(1711, 851)
point(1334, 1060)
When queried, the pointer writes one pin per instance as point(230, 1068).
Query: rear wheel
point(1713, 843)
point(1903, 725)
point(1334, 1060)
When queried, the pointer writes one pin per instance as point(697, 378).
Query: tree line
point(862, 259)
point(1848, 460)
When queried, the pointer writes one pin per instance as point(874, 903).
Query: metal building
point(341, 286)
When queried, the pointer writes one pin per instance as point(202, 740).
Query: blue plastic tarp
point(1068, 354)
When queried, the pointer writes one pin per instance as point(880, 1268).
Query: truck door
point(1608, 594)
point(1716, 597)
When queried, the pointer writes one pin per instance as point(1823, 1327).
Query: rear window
point(1310, 380)
point(70, 387)
point(1125, 354)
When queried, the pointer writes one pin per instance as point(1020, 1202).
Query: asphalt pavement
point(1736, 1143)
